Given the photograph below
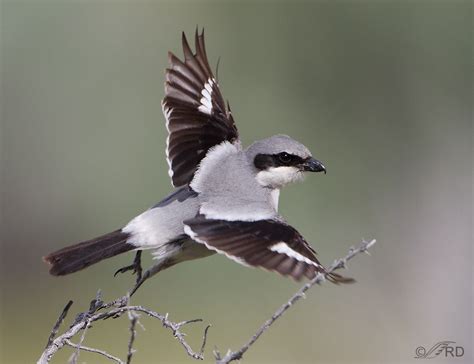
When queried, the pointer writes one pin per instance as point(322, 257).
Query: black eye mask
point(265, 161)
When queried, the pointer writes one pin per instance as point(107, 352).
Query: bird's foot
point(135, 267)
point(151, 272)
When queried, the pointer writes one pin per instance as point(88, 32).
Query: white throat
point(278, 177)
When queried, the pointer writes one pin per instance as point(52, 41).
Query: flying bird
point(226, 196)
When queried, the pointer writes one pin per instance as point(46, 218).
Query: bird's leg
point(136, 267)
point(151, 272)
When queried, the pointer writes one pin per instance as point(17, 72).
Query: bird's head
point(280, 160)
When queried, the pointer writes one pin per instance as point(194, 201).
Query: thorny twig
point(58, 323)
point(75, 355)
point(92, 350)
point(133, 333)
point(114, 309)
point(338, 264)
point(133, 317)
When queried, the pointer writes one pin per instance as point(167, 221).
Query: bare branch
point(338, 264)
point(116, 309)
point(75, 355)
point(133, 332)
point(92, 350)
point(58, 323)
point(204, 339)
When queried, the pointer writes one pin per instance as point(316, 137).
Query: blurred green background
point(379, 91)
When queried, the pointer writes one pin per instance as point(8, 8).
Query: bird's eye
point(284, 157)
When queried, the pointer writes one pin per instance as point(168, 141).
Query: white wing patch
point(206, 99)
point(283, 248)
point(167, 113)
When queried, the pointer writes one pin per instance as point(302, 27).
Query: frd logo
point(445, 349)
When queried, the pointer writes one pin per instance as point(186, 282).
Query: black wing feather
point(193, 129)
point(256, 243)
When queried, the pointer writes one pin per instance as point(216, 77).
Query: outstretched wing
point(268, 244)
point(196, 116)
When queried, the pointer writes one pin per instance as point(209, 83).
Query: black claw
point(141, 278)
point(137, 285)
point(124, 269)
point(135, 267)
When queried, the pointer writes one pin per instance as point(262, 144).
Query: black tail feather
point(79, 256)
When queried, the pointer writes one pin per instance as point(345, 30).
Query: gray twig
point(92, 350)
point(116, 309)
point(338, 264)
point(133, 317)
point(75, 355)
point(204, 339)
point(133, 333)
point(58, 323)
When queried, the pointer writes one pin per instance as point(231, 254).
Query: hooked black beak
point(313, 165)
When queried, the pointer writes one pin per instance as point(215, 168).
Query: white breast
point(275, 195)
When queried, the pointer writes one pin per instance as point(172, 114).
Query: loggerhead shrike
point(226, 196)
